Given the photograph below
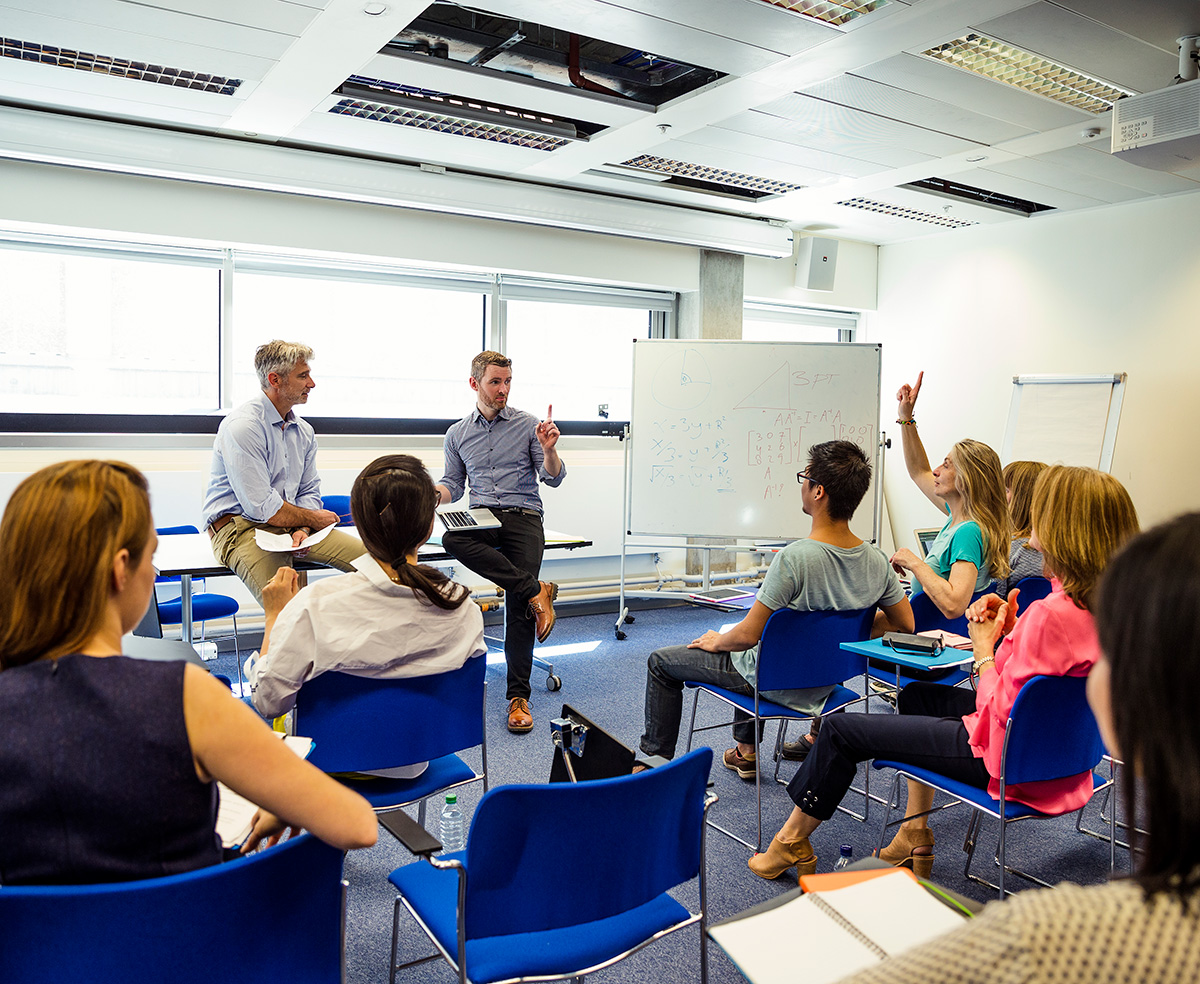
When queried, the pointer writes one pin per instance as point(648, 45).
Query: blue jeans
point(666, 670)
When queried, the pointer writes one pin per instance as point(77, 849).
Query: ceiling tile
point(1083, 44)
point(915, 109)
point(972, 92)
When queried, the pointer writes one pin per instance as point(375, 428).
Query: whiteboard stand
point(1070, 420)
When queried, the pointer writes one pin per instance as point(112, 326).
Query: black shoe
point(797, 751)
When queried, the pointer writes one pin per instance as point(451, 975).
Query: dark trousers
point(928, 732)
point(511, 558)
point(666, 671)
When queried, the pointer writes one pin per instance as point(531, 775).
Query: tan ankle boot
point(781, 855)
point(912, 847)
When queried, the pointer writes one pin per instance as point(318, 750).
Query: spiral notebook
point(823, 936)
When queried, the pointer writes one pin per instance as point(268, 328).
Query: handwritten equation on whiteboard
point(755, 447)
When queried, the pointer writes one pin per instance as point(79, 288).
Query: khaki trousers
point(234, 547)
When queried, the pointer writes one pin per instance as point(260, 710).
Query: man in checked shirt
point(503, 453)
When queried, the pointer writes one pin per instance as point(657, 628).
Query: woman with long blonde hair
point(973, 546)
point(109, 764)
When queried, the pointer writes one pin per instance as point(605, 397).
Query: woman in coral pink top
point(1080, 518)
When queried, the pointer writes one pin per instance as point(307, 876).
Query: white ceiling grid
point(849, 112)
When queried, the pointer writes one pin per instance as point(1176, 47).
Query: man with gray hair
point(264, 475)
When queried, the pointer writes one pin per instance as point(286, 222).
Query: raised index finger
point(917, 386)
point(550, 413)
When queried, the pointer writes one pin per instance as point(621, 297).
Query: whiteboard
point(719, 429)
point(1067, 420)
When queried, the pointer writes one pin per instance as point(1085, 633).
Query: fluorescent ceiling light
point(828, 13)
point(446, 124)
point(1014, 66)
point(457, 107)
point(712, 175)
point(84, 61)
point(899, 212)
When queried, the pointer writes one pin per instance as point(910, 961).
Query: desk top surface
point(875, 649)
point(191, 553)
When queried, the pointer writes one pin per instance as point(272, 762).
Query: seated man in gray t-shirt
point(831, 570)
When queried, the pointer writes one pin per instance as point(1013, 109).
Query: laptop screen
point(150, 627)
point(925, 538)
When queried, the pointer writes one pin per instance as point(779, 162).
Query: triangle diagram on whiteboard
point(774, 393)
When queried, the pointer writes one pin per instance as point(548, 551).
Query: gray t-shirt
point(808, 575)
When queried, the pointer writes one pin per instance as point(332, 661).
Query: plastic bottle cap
point(847, 849)
point(451, 797)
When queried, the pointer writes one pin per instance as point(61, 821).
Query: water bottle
point(843, 861)
point(452, 825)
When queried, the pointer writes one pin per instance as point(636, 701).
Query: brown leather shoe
point(541, 606)
point(519, 718)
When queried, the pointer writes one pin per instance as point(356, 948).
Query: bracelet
point(976, 667)
point(911, 420)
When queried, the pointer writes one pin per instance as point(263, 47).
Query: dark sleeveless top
point(97, 781)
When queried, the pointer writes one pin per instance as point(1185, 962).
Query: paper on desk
point(282, 542)
point(235, 813)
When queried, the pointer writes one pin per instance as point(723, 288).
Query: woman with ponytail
point(392, 617)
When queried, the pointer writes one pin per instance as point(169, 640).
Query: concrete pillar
point(713, 311)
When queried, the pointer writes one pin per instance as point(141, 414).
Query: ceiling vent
point(710, 180)
point(977, 196)
point(911, 214)
point(84, 61)
point(468, 37)
point(836, 14)
point(1003, 62)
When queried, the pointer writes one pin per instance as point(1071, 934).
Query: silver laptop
point(465, 520)
point(925, 537)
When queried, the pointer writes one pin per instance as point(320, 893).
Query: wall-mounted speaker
point(816, 263)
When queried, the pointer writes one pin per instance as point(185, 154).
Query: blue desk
point(875, 649)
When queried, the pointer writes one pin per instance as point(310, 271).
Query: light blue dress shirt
point(260, 461)
point(501, 458)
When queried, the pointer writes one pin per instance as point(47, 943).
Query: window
point(381, 349)
point(763, 322)
point(93, 332)
point(573, 347)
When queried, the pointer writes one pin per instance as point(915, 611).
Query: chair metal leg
point(237, 658)
point(692, 722)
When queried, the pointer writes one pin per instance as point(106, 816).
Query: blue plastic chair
point(797, 650)
point(1032, 589)
point(286, 905)
point(1051, 734)
point(339, 504)
point(360, 724)
point(205, 606)
point(509, 909)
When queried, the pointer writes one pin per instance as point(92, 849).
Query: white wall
point(1113, 290)
point(854, 282)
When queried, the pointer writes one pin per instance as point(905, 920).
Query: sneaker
point(746, 768)
point(797, 751)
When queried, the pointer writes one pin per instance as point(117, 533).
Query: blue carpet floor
point(606, 682)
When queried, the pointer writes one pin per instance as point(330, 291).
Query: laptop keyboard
point(457, 520)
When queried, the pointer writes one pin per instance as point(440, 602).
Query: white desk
point(189, 555)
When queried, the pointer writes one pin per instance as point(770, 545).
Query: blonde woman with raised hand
point(972, 548)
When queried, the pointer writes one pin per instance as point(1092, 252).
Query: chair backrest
point(1032, 589)
point(339, 504)
point(277, 912)
point(802, 649)
point(927, 616)
point(545, 857)
point(361, 723)
point(1053, 733)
